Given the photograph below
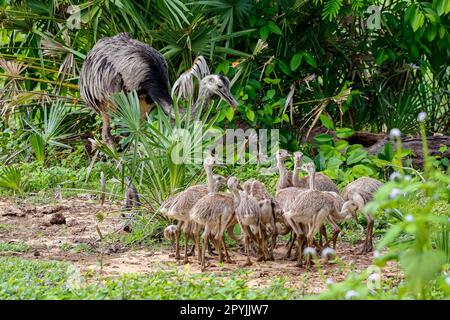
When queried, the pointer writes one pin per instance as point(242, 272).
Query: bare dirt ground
point(77, 241)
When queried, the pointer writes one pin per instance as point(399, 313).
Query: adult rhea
point(121, 63)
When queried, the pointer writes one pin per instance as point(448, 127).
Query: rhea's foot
point(261, 258)
point(247, 264)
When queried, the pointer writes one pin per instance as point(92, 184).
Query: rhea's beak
point(222, 165)
point(166, 105)
point(226, 95)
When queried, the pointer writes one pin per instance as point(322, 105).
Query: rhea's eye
point(220, 86)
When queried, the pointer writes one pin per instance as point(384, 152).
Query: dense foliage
point(294, 65)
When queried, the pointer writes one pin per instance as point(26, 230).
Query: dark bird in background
point(121, 63)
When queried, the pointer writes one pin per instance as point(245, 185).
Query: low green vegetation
point(12, 247)
point(294, 66)
point(24, 279)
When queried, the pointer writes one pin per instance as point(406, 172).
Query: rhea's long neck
point(202, 100)
point(282, 169)
point(296, 181)
point(312, 180)
point(211, 183)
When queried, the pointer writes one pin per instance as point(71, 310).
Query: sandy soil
point(23, 221)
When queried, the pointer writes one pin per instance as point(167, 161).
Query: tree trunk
point(375, 142)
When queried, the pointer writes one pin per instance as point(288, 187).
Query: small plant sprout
point(395, 133)
point(310, 251)
point(394, 193)
point(395, 176)
point(409, 218)
point(422, 116)
point(351, 294)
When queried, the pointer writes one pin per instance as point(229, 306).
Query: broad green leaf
point(356, 156)
point(417, 20)
point(344, 133)
point(296, 60)
point(432, 32)
point(442, 32)
point(264, 32)
point(270, 94)
point(250, 114)
point(421, 267)
point(229, 113)
point(341, 144)
point(327, 122)
point(431, 15)
point(361, 170)
point(274, 28)
point(334, 162)
point(442, 6)
point(323, 138)
point(284, 67)
point(310, 60)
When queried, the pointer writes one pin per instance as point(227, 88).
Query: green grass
point(4, 228)
point(14, 247)
point(83, 248)
point(27, 279)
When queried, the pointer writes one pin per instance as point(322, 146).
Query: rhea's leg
point(106, 130)
point(368, 242)
point(205, 243)
point(186, 243)
point(177, 240)
point(335, 234)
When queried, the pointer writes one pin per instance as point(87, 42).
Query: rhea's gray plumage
point(183, 203)
point(356, 195)
point(323, 183)
point(121, 63)
point(365, 186)
point(214, 212)
point(248, 214)
point(285, 179)
point(309, 211)
point(267, 206)
point(169, 233)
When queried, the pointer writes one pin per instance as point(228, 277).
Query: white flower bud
point(328, 252)
point(310, 251)
point(395, 176)
point(394, 193)
point(395, 133)
point(422, 116)
point(351, 294)
point(409, 218)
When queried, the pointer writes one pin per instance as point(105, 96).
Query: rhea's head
point(309, 167)
point(220, 180)
point(233, 183)
point(218, 85)
point(282, 154)
point(298, 157)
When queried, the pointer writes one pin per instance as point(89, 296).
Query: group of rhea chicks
point(302, 206)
